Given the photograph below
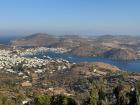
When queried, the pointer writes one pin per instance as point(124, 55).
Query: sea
point(131, 65)
point(6, 39)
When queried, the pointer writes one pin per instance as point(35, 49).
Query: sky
point(82, 17)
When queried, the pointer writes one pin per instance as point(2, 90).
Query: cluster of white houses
point(30, 51)
point(9, 61)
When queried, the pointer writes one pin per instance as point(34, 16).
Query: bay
point(131, 65)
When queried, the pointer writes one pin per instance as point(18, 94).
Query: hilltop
point(38, 39)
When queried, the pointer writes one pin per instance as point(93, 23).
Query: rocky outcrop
point(88, 69)
point(99, 66)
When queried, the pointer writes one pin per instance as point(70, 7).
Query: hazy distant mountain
point(42, 39)
point(38, 39)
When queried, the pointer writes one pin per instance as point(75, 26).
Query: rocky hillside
point(89, 50)
point(123, 54)
point(86, 69)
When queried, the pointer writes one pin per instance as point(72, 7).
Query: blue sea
point(133, 65)
point(6, 39)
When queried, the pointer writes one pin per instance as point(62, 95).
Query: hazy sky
point(86, 17)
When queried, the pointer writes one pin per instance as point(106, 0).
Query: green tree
point(3, 100)
point(103, 102)
point(138, 93)
point(43, 100)
point(19, 99)
point(54, 100)
point(94, 96)
point(138, 96)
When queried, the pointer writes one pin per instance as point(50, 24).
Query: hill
point(123, 54)
point(39, 39)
